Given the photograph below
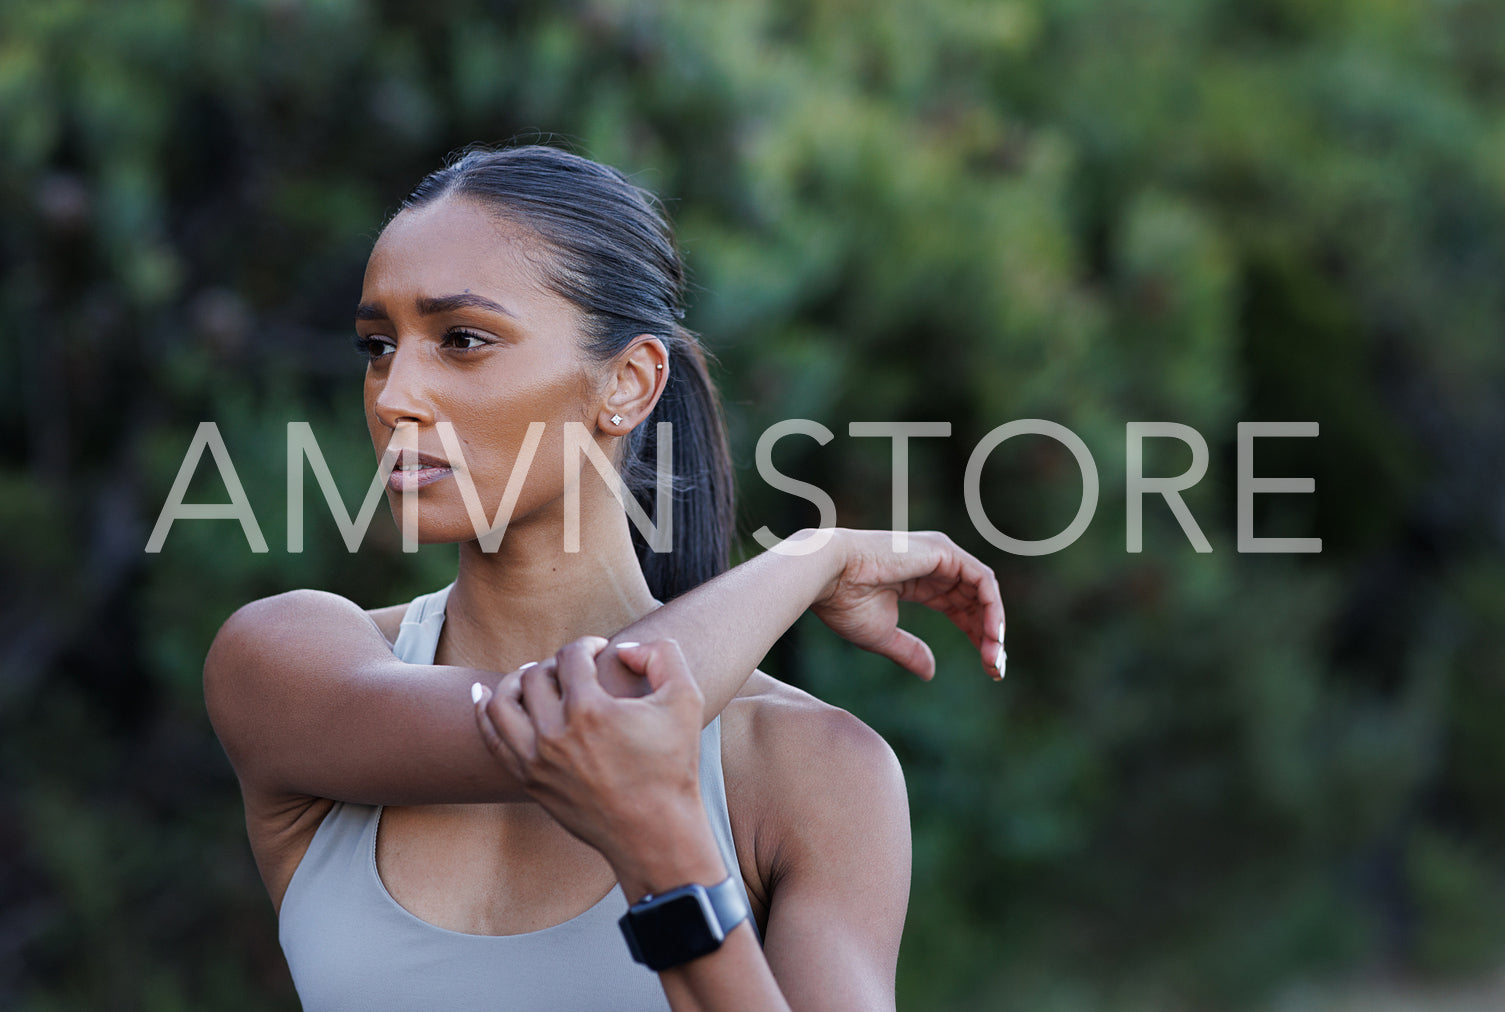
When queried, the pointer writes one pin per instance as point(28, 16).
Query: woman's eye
point(373, 347)
point(464, 340)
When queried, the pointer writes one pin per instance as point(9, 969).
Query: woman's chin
point(437, 529)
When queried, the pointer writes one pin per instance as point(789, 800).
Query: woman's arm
point(830, 810)
point(623, 775)
point(726, 626)
point(309, 701)
point(834, 855)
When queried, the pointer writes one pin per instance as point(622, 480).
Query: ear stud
point(659, 367)
point(616, 419)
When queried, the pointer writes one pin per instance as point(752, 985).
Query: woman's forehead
point(455, 245)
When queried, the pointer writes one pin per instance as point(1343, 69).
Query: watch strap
point(729, 902)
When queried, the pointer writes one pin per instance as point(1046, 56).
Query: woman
point(437, 836)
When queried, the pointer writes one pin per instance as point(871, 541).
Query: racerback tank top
point(350, 945)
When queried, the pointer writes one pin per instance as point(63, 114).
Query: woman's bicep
point(308, 699)
point(841, 877)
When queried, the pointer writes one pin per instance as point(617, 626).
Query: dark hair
point(613, 256)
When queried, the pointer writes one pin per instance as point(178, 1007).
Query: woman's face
point(461, 329)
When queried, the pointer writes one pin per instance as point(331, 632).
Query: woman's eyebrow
point(465, 300)
point(430, 305)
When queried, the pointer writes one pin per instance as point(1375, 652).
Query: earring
point(616, 419)
point(659, 367)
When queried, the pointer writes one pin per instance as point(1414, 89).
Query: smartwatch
point(672, 928)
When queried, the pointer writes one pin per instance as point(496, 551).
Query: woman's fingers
point(480, 696)
point(499, 749)
point(912, 654)
point(579, 683)
point(909, 652)
point(505, 728)
point(541, 699)
point(993, 624)
point(663, 664)
point(973, 602)
point(978, 611)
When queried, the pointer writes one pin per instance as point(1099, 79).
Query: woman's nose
point(403, 395)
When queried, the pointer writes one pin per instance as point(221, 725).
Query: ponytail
point(702, 500)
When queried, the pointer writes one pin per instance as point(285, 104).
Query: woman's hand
point(621, 774)
point(861, 603)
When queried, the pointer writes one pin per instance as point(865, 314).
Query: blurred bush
point(1207, 776)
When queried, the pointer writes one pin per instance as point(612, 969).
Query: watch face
point(679, 923)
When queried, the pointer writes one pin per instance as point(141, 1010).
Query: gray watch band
point(728, 902)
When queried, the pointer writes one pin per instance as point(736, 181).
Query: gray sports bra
point(350, 945)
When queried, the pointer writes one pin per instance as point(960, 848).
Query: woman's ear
point(638, 375)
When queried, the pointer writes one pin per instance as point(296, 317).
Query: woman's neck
point(530, 597)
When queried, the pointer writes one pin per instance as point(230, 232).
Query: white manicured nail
point(624, 646)
point(525, 667)
point(1000, 630)
point(476, 692)
point(1003, 659)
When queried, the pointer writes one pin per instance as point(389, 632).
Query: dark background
point(1209, 781)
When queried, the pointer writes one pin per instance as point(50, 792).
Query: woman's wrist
point(673, 848)
point(830, 560)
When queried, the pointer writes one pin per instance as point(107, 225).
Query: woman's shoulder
point(782, 746)
point(305, 608)
point(264, 651)
point(770, 713)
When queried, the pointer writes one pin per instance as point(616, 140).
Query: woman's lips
point(415, 470)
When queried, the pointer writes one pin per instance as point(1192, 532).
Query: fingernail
point(624, 646)
point(525, 667)
point(1000, 630)
point(476, 692)
point(1003, 659)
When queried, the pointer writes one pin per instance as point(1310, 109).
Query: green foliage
point(1206, 775)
